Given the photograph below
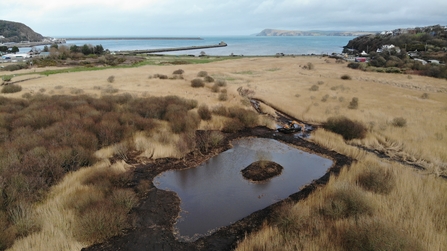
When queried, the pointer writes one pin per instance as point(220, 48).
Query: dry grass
point(397, 221)
point(58, 211)
point(414, 210)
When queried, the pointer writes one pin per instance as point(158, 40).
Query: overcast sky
point(212, 17)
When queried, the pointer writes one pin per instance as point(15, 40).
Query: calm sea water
point(238, 45)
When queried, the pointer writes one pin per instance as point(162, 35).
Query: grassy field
point(405, 117)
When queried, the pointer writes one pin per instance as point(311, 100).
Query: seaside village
point(10, 51)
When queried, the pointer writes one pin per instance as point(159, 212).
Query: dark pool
point(215, 194)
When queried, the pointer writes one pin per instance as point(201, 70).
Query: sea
point(236, 45)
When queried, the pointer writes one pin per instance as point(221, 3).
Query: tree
point(45, 49)
point(15, 49)
point(99, 49)
point(3, 48)
point(75, 49)
point(86, 50)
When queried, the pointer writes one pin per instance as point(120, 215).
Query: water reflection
point(215, 194)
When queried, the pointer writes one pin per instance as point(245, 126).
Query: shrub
point(11, 88)
point(179, 71)
point(314, 88)
point(347, 128)
point(232, 125)
point(202, 74)
point(221, 82)
point(209, 79)
point(310, 66)
point(354, 65)
point(377, 179)
point(220, 110)
point(197, 82)
point(215, 88)
point(109, 90)
point(111, 79)
point(204, 112)
point(223, 96)
point(325, 98)
point(345, 201)
point(346, 77)
point(399, 122)
point(424, 96)
point(7, 78)
point(100, 222)
point(76, 91)
point(320, 82)
point(354, 104)
point(14, 67)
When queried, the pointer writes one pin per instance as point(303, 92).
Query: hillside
point(275, 32)
point(16, 32)
point(430, 38)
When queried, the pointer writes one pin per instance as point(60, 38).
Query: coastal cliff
point(17, 32)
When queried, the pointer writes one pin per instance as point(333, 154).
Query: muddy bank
point(156, 215)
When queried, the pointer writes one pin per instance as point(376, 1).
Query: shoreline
point(134, 38)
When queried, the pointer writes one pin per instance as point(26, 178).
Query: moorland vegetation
point(394, 126)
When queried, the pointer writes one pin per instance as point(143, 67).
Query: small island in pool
point(262, 170)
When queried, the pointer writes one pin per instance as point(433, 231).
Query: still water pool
point(215, 194)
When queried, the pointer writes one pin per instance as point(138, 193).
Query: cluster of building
point(430, 29)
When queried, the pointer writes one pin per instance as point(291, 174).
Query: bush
point(424, 96)
point(221, 82)
point(197, 82)
point(354, 65)
point(354, 104)
point(204, 112)
point(347, 128)
point(223, 96)
point(179, 71)
point(14, 67)
point(232, 125)
point(345, 201)
point(346, 77)
point(209, 79)
point(399, 122)
point(215, 88)
point(220, 110)
point(111, 79)
point(202, 74)
point(310, 66)
point(7, 78)
point(314, 88)
point(11, 88)
point(377, 179)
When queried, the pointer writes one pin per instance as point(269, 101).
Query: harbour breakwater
point(185, 48)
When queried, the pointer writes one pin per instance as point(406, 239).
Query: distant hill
point(275, 32)
point(17, 32)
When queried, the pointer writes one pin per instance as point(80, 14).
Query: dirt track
point(157, 213)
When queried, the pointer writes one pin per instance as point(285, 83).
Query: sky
point(217, 18)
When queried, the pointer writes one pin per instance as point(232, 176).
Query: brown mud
point(154, 218)
point(262, 170)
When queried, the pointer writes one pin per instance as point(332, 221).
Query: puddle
point(215, 194)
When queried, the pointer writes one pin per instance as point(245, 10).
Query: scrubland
point(60, 133)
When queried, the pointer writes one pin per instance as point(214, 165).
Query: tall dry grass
point(344, 216)
point(59, 211)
